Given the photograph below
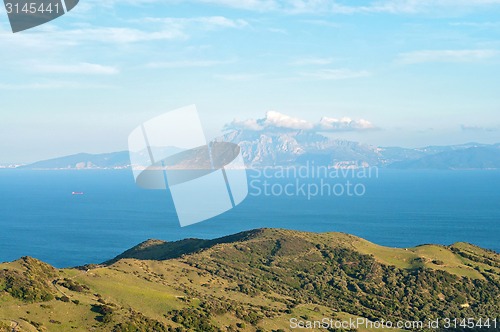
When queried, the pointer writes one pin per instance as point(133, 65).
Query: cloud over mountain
point(344, 124)
point(282, 122)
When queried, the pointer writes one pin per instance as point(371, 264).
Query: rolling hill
point(252, 281)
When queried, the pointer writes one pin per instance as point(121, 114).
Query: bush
point(25, 286)
point(105, 311)
point(74, 286)
point(64, 298)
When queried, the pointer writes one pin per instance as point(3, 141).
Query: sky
point(405, 73)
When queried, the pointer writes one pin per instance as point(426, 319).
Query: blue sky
point(415, 72)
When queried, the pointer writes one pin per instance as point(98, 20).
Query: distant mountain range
point(295, 148)
point(114, 160)
point(302, 147)
point(480, 157)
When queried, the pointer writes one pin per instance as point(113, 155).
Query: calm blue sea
point(40, 217)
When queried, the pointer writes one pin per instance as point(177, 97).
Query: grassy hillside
point(252, 281)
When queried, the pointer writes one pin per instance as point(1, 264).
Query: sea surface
point(40, 217)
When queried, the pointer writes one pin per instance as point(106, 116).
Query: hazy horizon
point(422, 73)
point(97, 152)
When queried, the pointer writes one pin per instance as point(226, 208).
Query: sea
point(41, 217)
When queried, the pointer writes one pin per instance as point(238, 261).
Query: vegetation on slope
point(252, 281)
point(28, 280)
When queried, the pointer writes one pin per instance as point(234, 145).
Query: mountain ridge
point(296, 148)
point(483, 157)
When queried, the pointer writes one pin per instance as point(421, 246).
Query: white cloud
point(222, 21)
point(336, 74)
point(481, 25)
point(47, 36)
point(272, 120)
point(343, 124)
point(170, 29)
point(187, 63)
point(312, 61)
point(327, 6)
point(239, 77)
point(446, 56)
point(324, 23)
point(374, 6)
point(119, 35)
point(279, 121)
point(58, 85)
point(207, 22)
point(80, 68)
point(391, 6)
point(257, 5)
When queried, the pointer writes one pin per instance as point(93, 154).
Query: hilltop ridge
point(252, 281)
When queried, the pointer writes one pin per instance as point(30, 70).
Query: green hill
point(252, 281)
